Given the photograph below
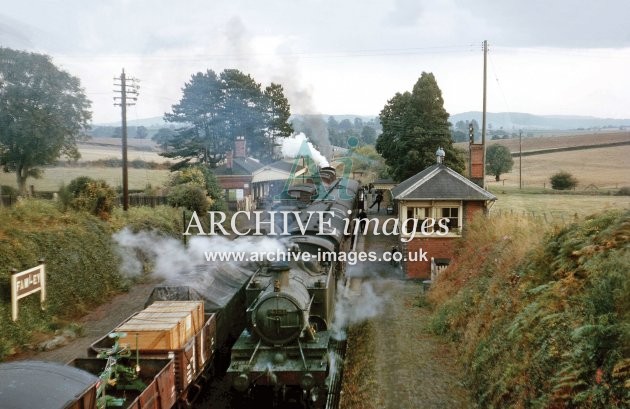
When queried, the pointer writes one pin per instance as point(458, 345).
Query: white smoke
point(356, 309)
point(298, 145)
point(171, 259)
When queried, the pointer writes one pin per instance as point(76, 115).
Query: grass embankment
point(358, 382)
point(542, 319)
point(82, 264)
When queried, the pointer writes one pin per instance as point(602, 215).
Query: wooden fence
point(134, 200)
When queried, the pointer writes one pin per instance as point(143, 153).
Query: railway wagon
point(156, 376)
point(170, 330)
point(46, 385)
point(222, 290)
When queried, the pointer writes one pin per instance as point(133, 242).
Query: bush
point(196, 179)
point(190, 196)
point(563, 181)
point(192, 175)
point(163, 219)
point(93, 196)
point(81, 265)
point(542, 325)
point(624, 191)
point(97, 198)
point(8, 191)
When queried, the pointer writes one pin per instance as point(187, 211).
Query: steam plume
point(299, 145)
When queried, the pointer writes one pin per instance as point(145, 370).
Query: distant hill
point(153, 122)
point(517, 120)
point(496, 120)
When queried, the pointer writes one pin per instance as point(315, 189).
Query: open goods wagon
point(172, 330)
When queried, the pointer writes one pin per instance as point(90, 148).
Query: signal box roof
point(439, 182)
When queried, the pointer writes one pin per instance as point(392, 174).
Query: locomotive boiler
point(284, 351)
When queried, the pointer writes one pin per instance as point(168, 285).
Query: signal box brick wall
point(472, 209)
point(437, 247)
point(434, 247)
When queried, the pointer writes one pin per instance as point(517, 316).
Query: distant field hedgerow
point(543, 321)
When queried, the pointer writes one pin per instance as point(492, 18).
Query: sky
point(344, 57)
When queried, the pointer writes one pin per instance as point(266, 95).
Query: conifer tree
point(415, 124)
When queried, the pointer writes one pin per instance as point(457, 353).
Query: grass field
point(54, 177)
point(102, 148)
point(597, 169)
point(90, 152)
point(555, 206)
point(554, 142)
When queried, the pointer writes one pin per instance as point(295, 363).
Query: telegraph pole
point(125, 89)
point(520, 159)
point(483, 115)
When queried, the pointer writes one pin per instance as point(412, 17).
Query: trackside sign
point(25, 283)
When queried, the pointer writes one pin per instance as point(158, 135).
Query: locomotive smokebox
point(281, 312)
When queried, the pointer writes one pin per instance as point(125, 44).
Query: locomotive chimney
point(280, 275)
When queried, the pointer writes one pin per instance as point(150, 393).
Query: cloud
point(405, 12)
point(558, 23)
point(332, 57)
point(14, 34)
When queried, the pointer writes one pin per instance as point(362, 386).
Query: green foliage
point(214, 190)
point(93, 196)
point(43, 113)
point(624, 191)
point(498, 160)
point(196, 188)
point(365, 159)
point(547, 327)
point(278, 111)
point(415, 125)
point(81, 265)
point(215, 109)
point(189, 196)
point(192, 175)
point(563, 181)
point(8, 191)
point(164, 219)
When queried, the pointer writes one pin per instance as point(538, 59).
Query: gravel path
point(393, 361)
point(98, 323)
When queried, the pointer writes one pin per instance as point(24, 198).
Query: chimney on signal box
point(239, 147)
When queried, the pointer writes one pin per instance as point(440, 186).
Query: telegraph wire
point(240, 56)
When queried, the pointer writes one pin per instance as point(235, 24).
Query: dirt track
point(393, 360)
point(98, 323)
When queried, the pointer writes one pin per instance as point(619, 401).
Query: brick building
point(235, 176)
point(436, 193)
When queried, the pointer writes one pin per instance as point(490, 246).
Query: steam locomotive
point(268, 324)
point(284, 352)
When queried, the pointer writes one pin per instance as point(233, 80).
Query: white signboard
point(26, 283)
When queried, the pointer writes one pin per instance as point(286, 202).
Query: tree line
point(44, 112)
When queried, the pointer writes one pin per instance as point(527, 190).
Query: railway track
point(338, 354)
